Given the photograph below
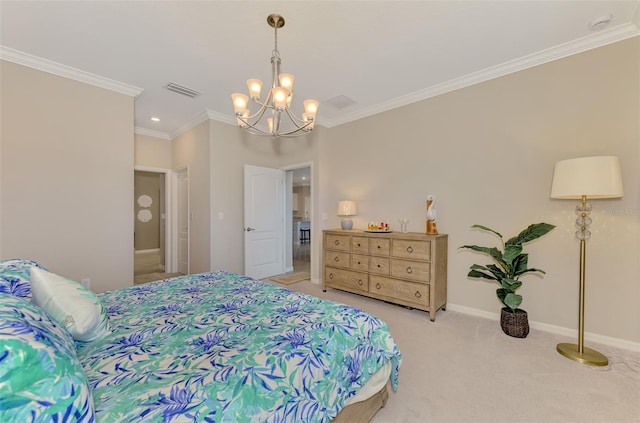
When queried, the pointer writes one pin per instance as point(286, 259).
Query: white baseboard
point(288, 269)
point(559, 330)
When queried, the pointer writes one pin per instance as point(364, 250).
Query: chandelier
point(280, 122)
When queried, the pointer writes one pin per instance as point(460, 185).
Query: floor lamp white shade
point(595, 177)
point(347, 208)
point(582, 178)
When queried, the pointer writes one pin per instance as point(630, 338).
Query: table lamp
point(594, 178)
point(346, 208)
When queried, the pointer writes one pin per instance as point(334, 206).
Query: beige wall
point(152, 152)
point(487, 153)
point(231, 150)
point(191, 150)
point(66, 173)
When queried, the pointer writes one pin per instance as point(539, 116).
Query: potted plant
point(510, 264)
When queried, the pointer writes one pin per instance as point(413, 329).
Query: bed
point(211, 347)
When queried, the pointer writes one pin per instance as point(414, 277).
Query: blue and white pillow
point(15, 278)
point(41, 378)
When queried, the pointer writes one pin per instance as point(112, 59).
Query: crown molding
point(197, 120)
point(35, 62)
point(152, 133)
point(222, 117)
point(590, 42)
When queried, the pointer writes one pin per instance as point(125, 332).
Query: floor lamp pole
point(579, 352)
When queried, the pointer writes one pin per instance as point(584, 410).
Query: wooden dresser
point(402, 268)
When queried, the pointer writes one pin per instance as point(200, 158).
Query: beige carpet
point(150, 277)
point(292, 278)
point(462, 369)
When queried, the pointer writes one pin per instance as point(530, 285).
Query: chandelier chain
point(275, 51)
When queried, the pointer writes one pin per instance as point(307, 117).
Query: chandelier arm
point(294, 131)
point(297, 122)
point(257, 115)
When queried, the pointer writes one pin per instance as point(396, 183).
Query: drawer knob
point(409, 249)
point(337, 242)
point(409, 269)
point(360, 282)
point(359, 244)
point(336, 259)
point(378, 266)
point(378, 285)
point(359, 263)
point(330, 275)
point(418, 294)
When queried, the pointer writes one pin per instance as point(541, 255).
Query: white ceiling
point(380, 54)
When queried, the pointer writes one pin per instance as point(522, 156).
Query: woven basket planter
point(514, 323)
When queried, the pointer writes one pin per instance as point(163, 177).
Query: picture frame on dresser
point(408, 269)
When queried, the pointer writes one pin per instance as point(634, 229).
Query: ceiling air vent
point(339, 102)
point(182, 90)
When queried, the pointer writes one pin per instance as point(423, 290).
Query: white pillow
point(70, 304)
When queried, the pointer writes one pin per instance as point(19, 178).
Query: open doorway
point(152, 235)
point(301, 219)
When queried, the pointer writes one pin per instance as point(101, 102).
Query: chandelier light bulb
point(286, 80)
point(255, 87)
point(311, 107)
point(280, 95)
point(239, 102)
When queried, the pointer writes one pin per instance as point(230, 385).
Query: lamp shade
point(347, 208)
point(594, 177)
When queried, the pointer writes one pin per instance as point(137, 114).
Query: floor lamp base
point(588, 356)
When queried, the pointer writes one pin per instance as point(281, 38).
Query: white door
point(263, 221)
point(183, 221)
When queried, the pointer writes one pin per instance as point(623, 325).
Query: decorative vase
point(514, 323)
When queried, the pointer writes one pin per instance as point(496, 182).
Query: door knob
point(249, 229)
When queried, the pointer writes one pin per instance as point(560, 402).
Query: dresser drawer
point(379, 265)
point(412, 249)
point(414, 270)
point(346, 279)
point(338, 242)
point(337, 259)
point(360, 245)
point(359, 262)
point(415, 293)
point(379, 246)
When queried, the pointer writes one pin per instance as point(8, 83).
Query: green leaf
point(513, 301)
point(493, 252)
point(496, 271)
point(534, 270)
point(478, 274)
point(520, 264)
point(510, 284)
point(532, 232)
point(511, 252)
point(502, 293)
point(484, 228)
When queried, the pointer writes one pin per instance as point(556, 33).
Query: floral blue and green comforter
point(219, 347)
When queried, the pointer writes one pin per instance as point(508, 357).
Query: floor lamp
point(593, 178)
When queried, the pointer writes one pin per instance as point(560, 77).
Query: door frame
point(314, 223)
point(168, 213)
point(175, 226)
